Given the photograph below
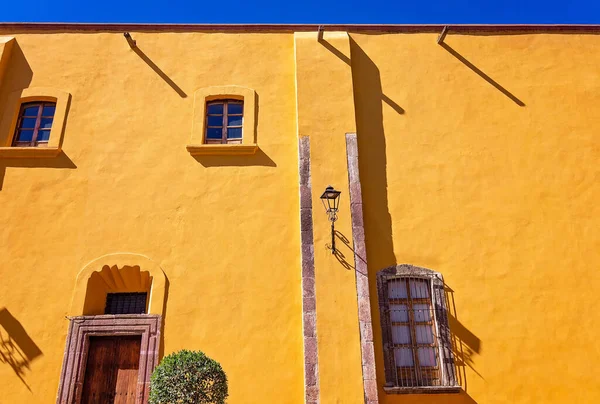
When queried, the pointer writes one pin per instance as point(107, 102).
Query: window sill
point(221, 149)
point(29, 152)
point(423, 390)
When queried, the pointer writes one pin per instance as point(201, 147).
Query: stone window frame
point(440, 311)
point(198, 146)
point(81, 328)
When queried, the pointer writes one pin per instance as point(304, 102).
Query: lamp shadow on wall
point(17, 349)
point(158, 71)
point(345, 261)
point(482, 74)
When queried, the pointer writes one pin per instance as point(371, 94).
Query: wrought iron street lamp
point(331, 202)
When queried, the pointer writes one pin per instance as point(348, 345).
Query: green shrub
point(188, 377)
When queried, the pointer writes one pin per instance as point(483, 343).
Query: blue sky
point(306, 11)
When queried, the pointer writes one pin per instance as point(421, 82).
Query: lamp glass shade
point(331, 199)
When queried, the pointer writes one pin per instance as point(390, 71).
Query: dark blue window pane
point(31, 111)
point(43, 136)
point(48, 110)
point(214, 133)
point(234, 121)
point(215, 120)
point(25, 136)
point(235, 108)
point(215, 108)
point(28, 123)
point(234, 133)
point(46, 123)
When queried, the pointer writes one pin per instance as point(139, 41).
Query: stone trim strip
point(309, 302)
point(78, 342)
point(362, 276)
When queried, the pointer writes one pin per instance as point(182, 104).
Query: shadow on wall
point(17, 349)
point(111, 279)
point(60, 161)
point(153, 66)
point(482, 74)
point(161, 346)
point(369, 101)
point(465, 344)
point(18, 77)
point(353, 48)
point(257, 159)
point(125, 279)
point(345, 259)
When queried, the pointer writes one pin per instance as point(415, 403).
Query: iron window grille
point(416, 337)
point(126, 303)
point(224, 119)
point(34, 124)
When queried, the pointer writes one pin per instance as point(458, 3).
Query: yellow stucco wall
point(478, 160)
point(325, 114)
point(501, 199)
point(223, 229)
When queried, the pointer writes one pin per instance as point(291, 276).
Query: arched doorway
point(114, 330)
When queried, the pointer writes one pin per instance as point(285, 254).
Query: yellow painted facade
point(478, 159)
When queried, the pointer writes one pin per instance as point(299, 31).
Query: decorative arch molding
point(121, 262)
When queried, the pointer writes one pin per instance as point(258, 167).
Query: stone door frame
point(81, 328)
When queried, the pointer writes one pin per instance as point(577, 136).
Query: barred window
point(416, 339)
point(126, 303)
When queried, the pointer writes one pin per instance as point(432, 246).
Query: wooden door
point(111, 372)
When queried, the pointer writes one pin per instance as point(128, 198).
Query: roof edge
point(375, 28)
